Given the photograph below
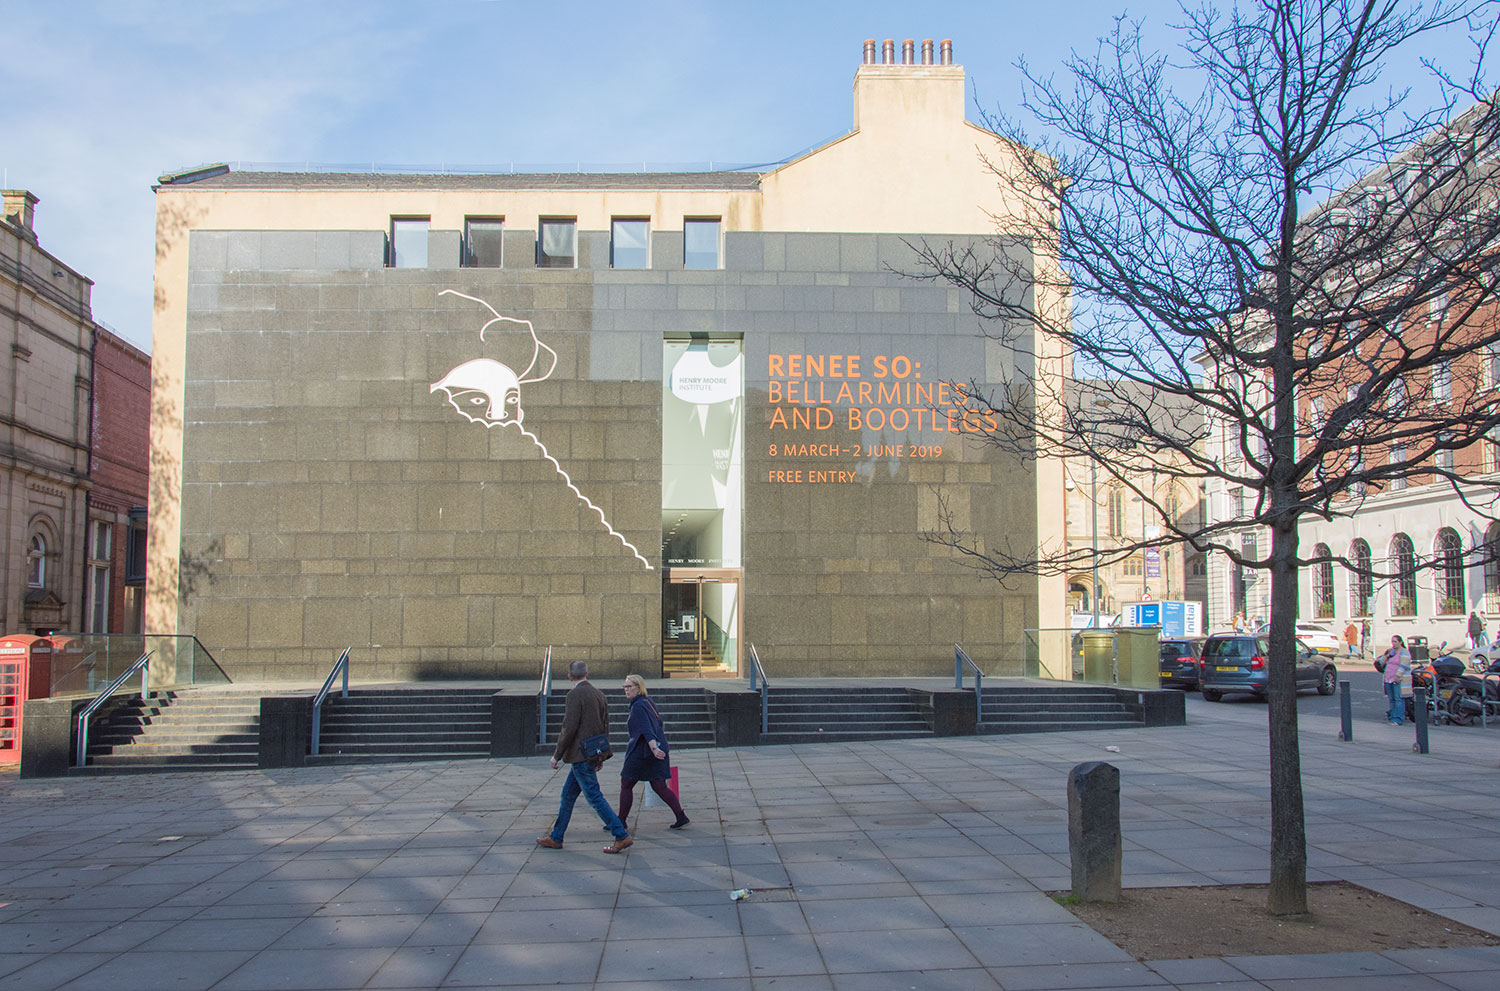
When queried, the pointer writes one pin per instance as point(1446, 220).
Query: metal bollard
point(1419, 707)
point(1346, 713)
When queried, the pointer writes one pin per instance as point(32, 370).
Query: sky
point(106, 95)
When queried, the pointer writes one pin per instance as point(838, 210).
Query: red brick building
point(119, 444)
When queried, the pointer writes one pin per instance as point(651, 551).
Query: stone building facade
point(74, 448)
point(648, 420)
point(47, 327)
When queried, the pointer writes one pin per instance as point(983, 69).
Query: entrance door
point(701, 622)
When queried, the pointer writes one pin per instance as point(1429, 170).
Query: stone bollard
point(1094, 831)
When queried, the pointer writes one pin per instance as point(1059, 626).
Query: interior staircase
point(681, 660)
point(201, 730)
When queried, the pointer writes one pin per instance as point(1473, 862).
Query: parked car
point(1237, 662)
point(1319, 638)
point(1179, 662)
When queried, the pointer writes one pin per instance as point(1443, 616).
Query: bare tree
point(1247, 225)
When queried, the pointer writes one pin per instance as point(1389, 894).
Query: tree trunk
point(1287, 893)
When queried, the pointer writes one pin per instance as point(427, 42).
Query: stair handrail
point(542, 692)
point(765, 688)
point(342, 664)
point(143, 665)
point(961, 658)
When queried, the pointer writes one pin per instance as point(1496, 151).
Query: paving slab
point(873, 866)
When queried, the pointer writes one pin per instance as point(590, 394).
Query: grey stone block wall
point(332, 497)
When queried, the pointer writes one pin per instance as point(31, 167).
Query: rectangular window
point(1398, 456)
point(409, 242)
point(1442, 383)
point(482, 238)
point(1489, 366)
point(629, 243)
point(1316, 420)
point(1443, 459)
point(557, 243)
point(700, 243)
point(135, 548)
point(100, 545)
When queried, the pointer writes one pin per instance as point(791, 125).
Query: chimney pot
point(869, 56)
point(888, 52)
point(927, 51)
point(908, 52)
point(946, 57)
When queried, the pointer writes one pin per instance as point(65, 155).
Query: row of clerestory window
point(556, 242)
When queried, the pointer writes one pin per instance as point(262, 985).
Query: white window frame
point(101, 547)
point(1442, 382)
point(36, 561)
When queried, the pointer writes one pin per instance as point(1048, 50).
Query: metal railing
point(960, 659)
point(342, 664)
point(542, 693)
point(756, 671)
point(143, 665)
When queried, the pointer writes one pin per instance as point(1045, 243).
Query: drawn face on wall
point(485, 391)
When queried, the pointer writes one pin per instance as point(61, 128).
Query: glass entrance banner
point(702, 540)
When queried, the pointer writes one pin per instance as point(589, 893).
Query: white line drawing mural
point(488, 392)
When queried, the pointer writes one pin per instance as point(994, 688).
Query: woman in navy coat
point(646, 753)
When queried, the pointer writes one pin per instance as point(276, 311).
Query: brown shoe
point(618, 846)
point(548, 842)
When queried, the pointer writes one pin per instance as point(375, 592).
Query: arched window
point(36, 562)
point(1450, 576)
point(1492, 568)
point(1361, 582)
point(1116, 511)
point(1403, 561)
point(1322, 583)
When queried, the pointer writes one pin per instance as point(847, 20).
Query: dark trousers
point(627, 797)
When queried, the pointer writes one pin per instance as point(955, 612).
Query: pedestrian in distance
point(1395, 665)
point(1351, 637)
point(1478, 639)
point(585, 714)
point(646, 754)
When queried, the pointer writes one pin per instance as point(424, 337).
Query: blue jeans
point(1397, 713)
point(582, 779)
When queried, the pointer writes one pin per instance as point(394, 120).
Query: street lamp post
point(1098, 404)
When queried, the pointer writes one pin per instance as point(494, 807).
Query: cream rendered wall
point(914, 164)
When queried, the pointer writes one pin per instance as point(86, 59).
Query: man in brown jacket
point(586, 715)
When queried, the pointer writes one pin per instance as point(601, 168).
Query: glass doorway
point(702, 505)
point(701, 623)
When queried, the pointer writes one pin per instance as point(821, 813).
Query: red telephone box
point(25, 673)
